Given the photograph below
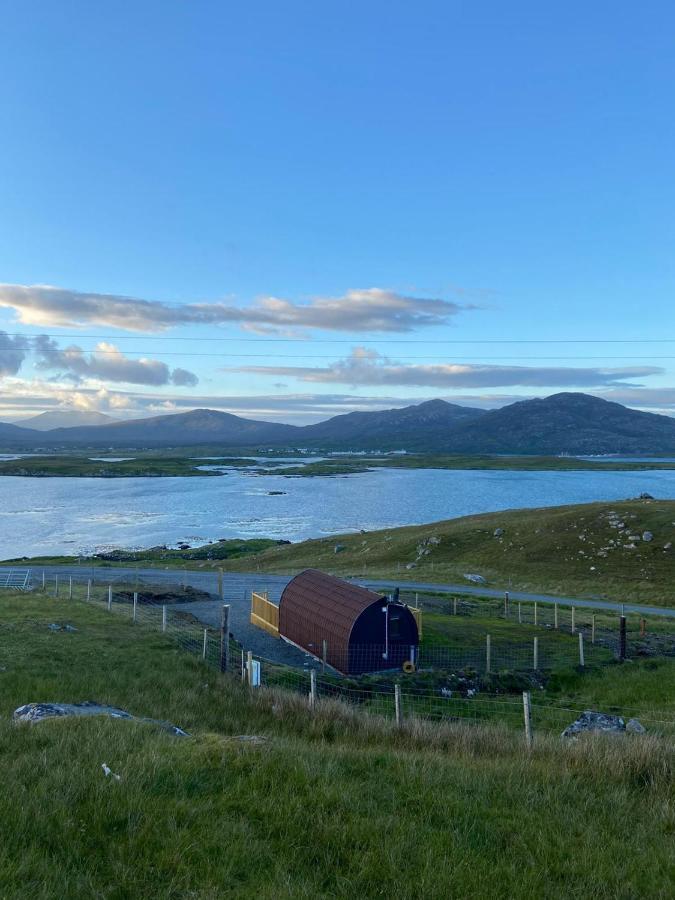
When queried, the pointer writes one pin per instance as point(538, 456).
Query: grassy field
point(350, 465)
point(154, 464)
point(329, 805)
point(566, 550)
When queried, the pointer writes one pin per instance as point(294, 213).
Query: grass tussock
point(330, 804)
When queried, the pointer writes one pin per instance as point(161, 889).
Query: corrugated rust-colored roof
point(315, 606)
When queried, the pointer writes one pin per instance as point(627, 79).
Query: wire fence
point(389, 695)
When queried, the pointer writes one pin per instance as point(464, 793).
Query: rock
point(647, 536)
point(476, 579)
point(645, 496)
point(595, 722)
point(275, 493)
point(338, 548)
point(635, 727)
point(107, 771)
point(633, 537)
point(668, 546)
point(38, 712)
point(411, 565)
point(498, 532)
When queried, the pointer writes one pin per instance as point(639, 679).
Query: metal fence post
point(581, 649)
point(488, 654)
point(527, 715)
point(225, 638)
point(312, 689)
point(397, 705)
point(133, 617)
point(535, 651)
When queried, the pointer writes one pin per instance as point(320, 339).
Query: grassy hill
point(325, 805)
point(568, 550)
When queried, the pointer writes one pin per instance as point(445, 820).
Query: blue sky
point(328, 192)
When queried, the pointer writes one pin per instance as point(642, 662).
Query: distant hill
point(65, 418)
point(407, 428)
point(12, 435)
point(199, 426)
point(570, 423)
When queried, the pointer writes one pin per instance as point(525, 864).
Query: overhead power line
point(265, 355)
point(386, 340)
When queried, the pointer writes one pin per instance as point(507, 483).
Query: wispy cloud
point(108, 363)
point(365, 310)
point(368, 367)
point(12, 353)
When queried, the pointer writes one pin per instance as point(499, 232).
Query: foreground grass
point(330, 805)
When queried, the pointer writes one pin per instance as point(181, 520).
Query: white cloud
point(108, 363)
point(12, 354)
point(367, 367)
point(363, 310)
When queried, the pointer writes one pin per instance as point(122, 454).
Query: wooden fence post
point(312, 689)
point(397, 705)
point(555, 615)
point(527, 714)
point(593, 628)
point(535, 653)
point(70, 587)
point(622, 638)
point(506, 604)
point(225, 637)
point(163, 618)
point(44, 585)
point(109, 597)
point(249, 667)
point(520, 613)
point(133, 616)
point(573, 625)
point(206, 637)
point(643, 627)
point(488, 654)
point(88, 590)
point(56, 585)
point(535, 613)
point(582, 661)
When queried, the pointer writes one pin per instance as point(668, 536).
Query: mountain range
point(571, 423)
